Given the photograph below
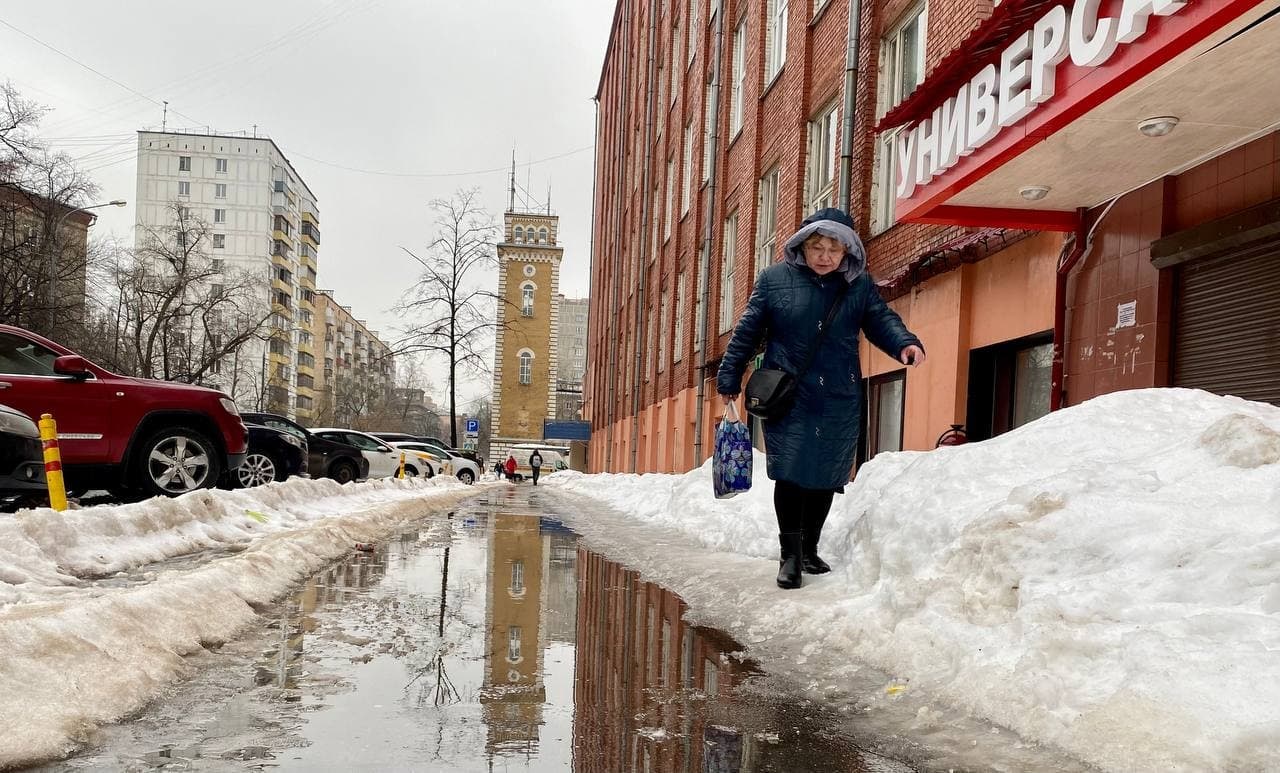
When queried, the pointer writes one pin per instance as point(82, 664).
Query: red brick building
point(1045, 238)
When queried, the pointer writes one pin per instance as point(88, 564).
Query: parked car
point(274, 455)
point(466, 470)
point(326, 458)
point(404, 437)
point(553, 459)
point(22, 480)
point(436, 464)
point(117, 432)
point(384, 460)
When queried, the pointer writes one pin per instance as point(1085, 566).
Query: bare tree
point(44, 255)
point(181, 315)
point(453, 316)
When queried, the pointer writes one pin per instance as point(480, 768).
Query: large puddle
point(487, 639)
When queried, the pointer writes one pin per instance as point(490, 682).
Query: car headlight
point(18, 425)
point(229, 406)
point(293, 441)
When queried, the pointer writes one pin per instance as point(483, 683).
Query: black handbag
point(772, 391)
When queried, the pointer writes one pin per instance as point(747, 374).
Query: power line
point(383, 173)
point(99, 73)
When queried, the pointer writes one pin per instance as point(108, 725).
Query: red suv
point(117, 432)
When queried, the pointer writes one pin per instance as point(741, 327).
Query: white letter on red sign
point(982, 124)
point(927, 137)
point(905, 145)
point(950, 127)
point(1093, 40)
point(1048, 49)
point(1134, 15)
point(1015, 73)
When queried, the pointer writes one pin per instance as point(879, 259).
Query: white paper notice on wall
point(1126, 314)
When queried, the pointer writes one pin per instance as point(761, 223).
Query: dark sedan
point(273, 455)
point(21, 461)
point(326, 458)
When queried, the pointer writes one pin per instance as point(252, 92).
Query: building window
point(686, 193)
point(517, 578)
point(676, 69)
point(219, 241)
point(1009, 385)
point(650, 339)
point(663, 328)
point(526, 367)
point(706, 132)
point(220, 165)
point(738, 78)
point(667, 213)
point(526, 299)
point(885, 409)
point(821, 171)
point(219, 216)
point(775, 39)
point(518, 234)
point(216, 265)
point(901, 68)
point(695, 13)
point(220, 190)
point(184, 163)
point(700, 307)
point(543, 236)
point(729, 245)
point(677, 346)
point(819, 4)
point(184, 188)
point(513, 644)
point(767, 224)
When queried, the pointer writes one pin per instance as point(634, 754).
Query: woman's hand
point(912, 355)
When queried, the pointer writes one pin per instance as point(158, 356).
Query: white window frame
point(526, 367)
point(694, 27)
point(184, 188)
point(738, 76)
point(664, 328)
point(729, 248)
point(706, 132)
point(775, 39)
point(184, 163)
point(219, 216)
point(648, 345)
point(700, 308)
point(668, 212)
point(220, 165)
point(219, 241)
point(686, 191)
point(677, 346)
point(219, 190)
point(891, 89)
point(677, 40)
point(818, 5)
point(767, 218)
point(514, 649)
point(526, 298)
point(821, 169)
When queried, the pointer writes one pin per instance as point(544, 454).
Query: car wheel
point(343, 472)
point(258, 469)
point(177, 460)
point(431, 472)
point(467, 476)
point(410, 471)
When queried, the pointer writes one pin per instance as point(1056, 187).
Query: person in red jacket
point(510, 467)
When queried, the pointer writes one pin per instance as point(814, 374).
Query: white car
point(438, 463)
point(384, 460)
point(466, 470)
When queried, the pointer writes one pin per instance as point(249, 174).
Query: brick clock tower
point(524, 373)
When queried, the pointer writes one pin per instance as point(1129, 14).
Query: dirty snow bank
point(1105, 580)
point(78, 653)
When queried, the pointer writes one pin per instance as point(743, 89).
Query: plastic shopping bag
point(731, 461)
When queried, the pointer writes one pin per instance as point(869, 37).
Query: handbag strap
point(822, 330)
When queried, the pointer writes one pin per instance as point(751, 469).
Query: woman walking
point(811, 449)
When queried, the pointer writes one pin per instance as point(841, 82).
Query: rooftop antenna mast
point(164, 119)
point(548, 197)
point(512, 206)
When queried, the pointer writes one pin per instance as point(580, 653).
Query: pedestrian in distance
point(535, 463)
point(810, 449)
point(510, 467)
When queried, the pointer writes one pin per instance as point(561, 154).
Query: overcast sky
point(409, 92)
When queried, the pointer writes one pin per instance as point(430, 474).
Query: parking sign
point(473, 426)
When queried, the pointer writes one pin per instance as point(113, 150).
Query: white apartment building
point(571, 361)
point(263, 219)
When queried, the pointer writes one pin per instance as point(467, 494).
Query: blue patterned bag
point(731, 461)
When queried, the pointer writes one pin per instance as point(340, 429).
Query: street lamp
point(53, 253)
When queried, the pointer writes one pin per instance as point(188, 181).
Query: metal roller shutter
point(1227, 324)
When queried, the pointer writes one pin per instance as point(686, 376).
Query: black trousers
point(800, 508)
point(536, 471)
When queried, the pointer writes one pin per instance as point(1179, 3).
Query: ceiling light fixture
point(1034, 192)
point(1157, 126)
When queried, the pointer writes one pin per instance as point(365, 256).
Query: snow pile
point(1105, 580)
point(77, 653)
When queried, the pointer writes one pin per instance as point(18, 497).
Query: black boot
point(792, 555)
point(812, 533)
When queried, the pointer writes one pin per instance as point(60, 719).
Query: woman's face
point(822, 254)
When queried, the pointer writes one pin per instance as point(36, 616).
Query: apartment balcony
point(310, 217)
point(310, 231)
point(281, 247)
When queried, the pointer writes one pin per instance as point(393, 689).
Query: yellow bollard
point(400, 474)
point(52, 463)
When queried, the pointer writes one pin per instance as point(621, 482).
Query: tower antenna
point(512, 206)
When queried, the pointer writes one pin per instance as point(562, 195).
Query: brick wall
point(775, 117)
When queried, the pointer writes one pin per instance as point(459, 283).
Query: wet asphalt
point(483, 638)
